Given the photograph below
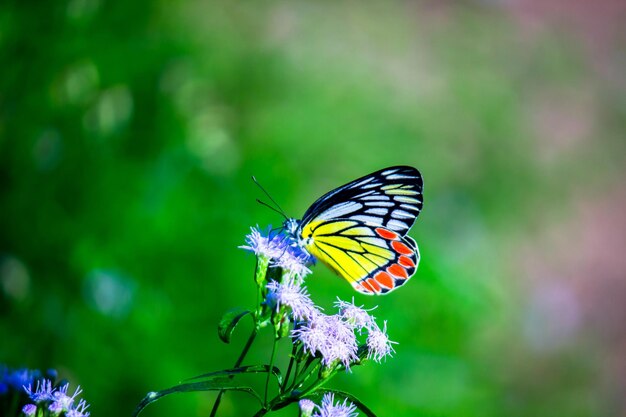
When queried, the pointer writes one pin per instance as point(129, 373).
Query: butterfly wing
point(391, 198)
point(374, 259)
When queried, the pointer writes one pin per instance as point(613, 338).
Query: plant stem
point(319, 382)
point(261, 412)
point(243, 354)
point(255, 330)
point(280, 401)
point(267, 381)
point(283, 400)
point(305, 373)
point(288, 374)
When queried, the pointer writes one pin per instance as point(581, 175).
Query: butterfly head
point(291, 226)
point(294, 229)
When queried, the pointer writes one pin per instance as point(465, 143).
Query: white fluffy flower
point(331, 409)
point(378, 344)
point(331, 337)
point(291, 295)
point(357, 317)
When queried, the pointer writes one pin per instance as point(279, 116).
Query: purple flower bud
point(330, 409)
point(29, 409)
point(43, 392)
point(56, 407)
point(306, 407)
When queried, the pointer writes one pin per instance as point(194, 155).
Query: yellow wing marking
point(377, 250)
point(376, 259)
point(337, 259)
point(402, 192)
point(351, 266)
point(321, 227)
point(365, 263)
point(352, 252)
point(358, 231)
point(342, 242)
point(391, 187)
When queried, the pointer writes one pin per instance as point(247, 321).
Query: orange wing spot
point(375, 285)
point(401, 248)
point(366, 285)
point(386, 234)
point(384, 279)
point(406, 261)
point(398, 271)
point(359, 288)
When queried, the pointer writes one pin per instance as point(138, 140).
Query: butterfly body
point(359, 229)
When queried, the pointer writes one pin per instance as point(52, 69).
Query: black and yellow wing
point(375, 260)
point(359, 229)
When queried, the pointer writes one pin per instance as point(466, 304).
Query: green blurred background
point(129, 132)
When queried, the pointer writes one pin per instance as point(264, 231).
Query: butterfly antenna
point(263, 203)
point(277, 209)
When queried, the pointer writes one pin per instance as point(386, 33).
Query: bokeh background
point(129, 132)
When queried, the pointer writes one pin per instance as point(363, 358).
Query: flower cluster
point(328, 408)
point(335, 337)
point(281, 251)
point(321, 344)
point(332, 338)
point(45, 398)
point(54, 400)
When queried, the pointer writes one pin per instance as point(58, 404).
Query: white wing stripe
point(389, 171)
point(377, 211)
point(396, 225)
point(361, 183)
point(409, 207)
point(375, 197)
point(340, 210)
point(366, 219)
point(373, 185)
point(374, 241)
point(401, 214)
point(400, 177)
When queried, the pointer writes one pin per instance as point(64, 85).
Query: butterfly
point(359, 230)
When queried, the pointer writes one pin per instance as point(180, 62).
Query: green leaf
point(252, 369)
point(350, 397)
point(212, 381)
point(214, 384)
point(229, 321)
